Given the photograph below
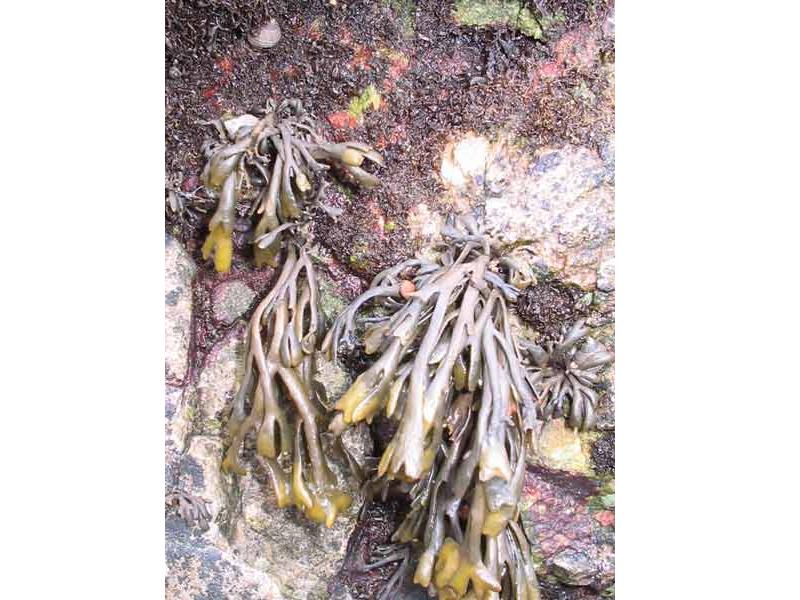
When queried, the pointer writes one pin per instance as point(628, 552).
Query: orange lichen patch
point(398, 65)
point(342, 120)
point(361, 58)
point(225, 64)
point(291, 71)
point(379, 223)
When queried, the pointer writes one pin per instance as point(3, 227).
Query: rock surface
point(199, 569)
point(231, 300)
point(559, 204)
point(179, 273)
point(553, 207)
point(569, 519)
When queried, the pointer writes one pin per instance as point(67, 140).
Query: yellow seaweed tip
point(220, 244)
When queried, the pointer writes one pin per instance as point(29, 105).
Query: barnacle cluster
point(279, 400)
point(455, 377)
point(273, 163)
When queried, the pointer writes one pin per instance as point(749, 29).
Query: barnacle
point(274, 164)
point(278, 398)
point(564, 375)
point(455, 377)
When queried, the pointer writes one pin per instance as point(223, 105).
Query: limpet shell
point(265, 36)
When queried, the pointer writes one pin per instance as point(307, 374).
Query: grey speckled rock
point(200, 570)
point(219, 380)
point(179, 273)
point(560, 205)
point(177, 426)
point(231, 300)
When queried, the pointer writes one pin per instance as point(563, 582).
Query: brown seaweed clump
point(454, 376)
point(273, 163)
point(280, 401)
point(565, 373)
point(191, 508)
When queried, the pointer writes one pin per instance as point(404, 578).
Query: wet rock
point(607, 153)
point(178, 277)
point(561, 447)
point(219, 380)
point(199, 570)
point(231, 300)
point(548, 307)
point(358, 442)
point(559, 513)
point(573, 567)
point(603, 458)
point(559, 204)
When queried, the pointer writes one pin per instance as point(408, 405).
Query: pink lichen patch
point(345, 37)
point(549, 69)
point(398, 66)
point(456, 64)
point(206, 329)
point(347, 284)
point(577, 48)
point(379, 223)
point(190, 183)
point(605, 518)
point(561, 515)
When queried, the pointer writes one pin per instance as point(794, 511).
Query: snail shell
point(265, 36)
point(407, 288)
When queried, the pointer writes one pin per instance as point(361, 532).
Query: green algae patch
point(498, 12)
point(359, 258)
point(369, 98)
point(406, 12)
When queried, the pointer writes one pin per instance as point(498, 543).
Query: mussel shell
point(265, 36)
